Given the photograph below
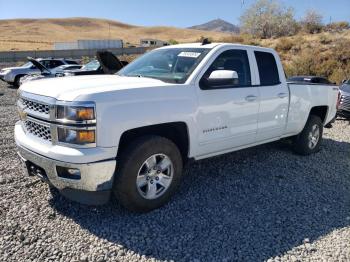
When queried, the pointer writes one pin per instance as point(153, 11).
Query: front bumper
point(93, 187)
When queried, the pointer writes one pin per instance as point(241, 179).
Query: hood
point(14, 68)
point(110, 63)
point(28, 78)
point(70, 88)
point(9, 68)
point(39, 65)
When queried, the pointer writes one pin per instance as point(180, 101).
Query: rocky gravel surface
point(260, 204)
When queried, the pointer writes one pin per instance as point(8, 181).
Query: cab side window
point(55, 63)
point(232, 60)
point(268, 70)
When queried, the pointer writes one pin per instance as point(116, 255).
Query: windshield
point(172, 65)
point(28, 64)
point(93, 65)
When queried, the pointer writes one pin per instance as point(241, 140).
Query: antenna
point(206, 41)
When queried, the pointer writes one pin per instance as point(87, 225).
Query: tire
point(310, 139)
point(156, 184)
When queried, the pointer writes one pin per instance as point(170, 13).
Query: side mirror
point(220, 79)
point(223, 75)
point(343, 81)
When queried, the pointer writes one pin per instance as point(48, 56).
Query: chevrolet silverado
point(129, 134)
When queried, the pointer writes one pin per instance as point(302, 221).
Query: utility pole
point(109, 35)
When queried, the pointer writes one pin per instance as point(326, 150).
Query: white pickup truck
point(129, 134)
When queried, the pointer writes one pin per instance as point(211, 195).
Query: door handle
point(251, 98)
point(282, 95)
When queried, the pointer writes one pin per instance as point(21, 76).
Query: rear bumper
point(92, 187)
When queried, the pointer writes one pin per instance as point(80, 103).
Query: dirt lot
point(264, 203)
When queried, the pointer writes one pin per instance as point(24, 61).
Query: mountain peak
point(218, 25)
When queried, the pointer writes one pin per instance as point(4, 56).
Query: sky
point(178, 13)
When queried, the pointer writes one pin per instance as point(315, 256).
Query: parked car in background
point(45, 72)
point(310, 79)
point(129, 134)
point(13, 75)
point(344, 99)
point(107, 63)
point(64, 68)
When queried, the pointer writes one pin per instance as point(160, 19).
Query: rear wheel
point(309, 140)
point(150, 171)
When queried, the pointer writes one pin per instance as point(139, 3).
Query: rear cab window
point(267, 66)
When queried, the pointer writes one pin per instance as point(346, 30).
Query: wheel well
point(320, 111)
point(177, 132)
point(19, 75)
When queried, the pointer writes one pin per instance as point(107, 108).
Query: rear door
point(227, 116)
point(274, 97)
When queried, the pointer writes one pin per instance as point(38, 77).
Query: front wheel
point(150, 171)
point(309, 140)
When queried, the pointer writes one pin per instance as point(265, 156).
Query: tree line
point(271, 18)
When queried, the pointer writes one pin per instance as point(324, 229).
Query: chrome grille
point(37, 129)
point(35, 106)
point(345, 102)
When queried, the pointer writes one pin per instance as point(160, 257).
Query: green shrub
point(85, 60)
point(173, 42)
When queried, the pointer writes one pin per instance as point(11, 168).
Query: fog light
point(73, 171)
point(69, 173)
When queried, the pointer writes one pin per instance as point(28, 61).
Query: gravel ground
point(263, 203)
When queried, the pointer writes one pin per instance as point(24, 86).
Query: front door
point(227, 116)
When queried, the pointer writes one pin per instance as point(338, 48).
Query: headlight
point(76, 136)
point(75, 113)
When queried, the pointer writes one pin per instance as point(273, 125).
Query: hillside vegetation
point(324, 54)
point(307, 46)
point(40, 34)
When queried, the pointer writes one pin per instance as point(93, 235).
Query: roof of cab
point(213, 45)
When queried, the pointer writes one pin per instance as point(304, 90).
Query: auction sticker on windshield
point(189, 54)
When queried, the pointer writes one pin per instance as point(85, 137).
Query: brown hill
point(29, 34)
